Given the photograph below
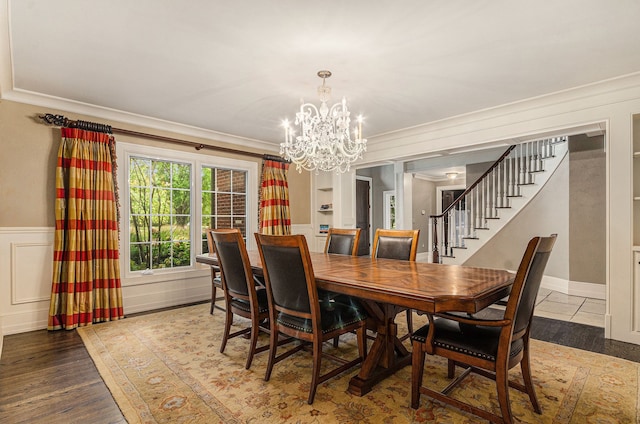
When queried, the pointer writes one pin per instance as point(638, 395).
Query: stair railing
point(481, 201)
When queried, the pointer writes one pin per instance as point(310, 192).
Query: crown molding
point(114, 115)
point(583, 109)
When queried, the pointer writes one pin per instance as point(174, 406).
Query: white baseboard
point(592, 290)
point(423, 257)
point(36, 318)
point(143, 302)
point(574, 288)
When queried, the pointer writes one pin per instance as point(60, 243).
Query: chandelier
point(325, 141)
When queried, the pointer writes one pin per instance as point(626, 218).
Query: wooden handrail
point(472, 186)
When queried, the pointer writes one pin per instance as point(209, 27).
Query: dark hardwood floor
point(48, 377)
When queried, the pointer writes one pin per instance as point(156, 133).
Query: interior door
point(362, 216)
point(449, 196)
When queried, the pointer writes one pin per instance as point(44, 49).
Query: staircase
point(494, 199)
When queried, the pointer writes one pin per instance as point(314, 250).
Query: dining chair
point(485, 345)
point(244, 295)
point(343, 241)
point(397, 244)
point(296, 311)
point(216, 281)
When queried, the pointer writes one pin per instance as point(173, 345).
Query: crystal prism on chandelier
point(325, 141)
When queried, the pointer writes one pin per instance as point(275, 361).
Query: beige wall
point(27, 166)
point(299, 196)
point(28, 160)
point(424, 199)
point(587, 210)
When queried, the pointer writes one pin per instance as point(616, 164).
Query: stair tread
point(520, 174)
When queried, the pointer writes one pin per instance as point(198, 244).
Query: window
point(389, 210)
point(224, 200)
point(164, 192)
point(160, 214)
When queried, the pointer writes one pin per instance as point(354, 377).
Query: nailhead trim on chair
point(310, 330)
point(465, 351)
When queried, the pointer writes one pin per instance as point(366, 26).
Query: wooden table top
point(416, 285)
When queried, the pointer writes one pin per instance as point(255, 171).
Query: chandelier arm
point(324, 142)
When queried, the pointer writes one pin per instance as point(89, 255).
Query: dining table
point(387, 287)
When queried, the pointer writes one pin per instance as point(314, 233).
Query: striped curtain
point(274, 214)
point(86, 272)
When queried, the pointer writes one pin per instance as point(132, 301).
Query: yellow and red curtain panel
point(86, 272)
point(275, 218)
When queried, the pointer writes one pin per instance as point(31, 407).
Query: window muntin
point(243, 183)
point(224, 200)
point(159, 214)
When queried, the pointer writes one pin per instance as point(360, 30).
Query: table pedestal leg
point(386, 356)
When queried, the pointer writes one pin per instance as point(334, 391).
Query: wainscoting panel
point(26, 260)
point(30, 265)
point(26, 257)
point(162, 294)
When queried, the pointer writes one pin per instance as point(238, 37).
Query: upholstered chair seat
point(479, 341)
point(245, 305)
point(334, 316)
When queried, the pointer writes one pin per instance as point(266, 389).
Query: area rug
point(166, 368)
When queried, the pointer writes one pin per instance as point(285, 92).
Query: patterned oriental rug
point(166, 368)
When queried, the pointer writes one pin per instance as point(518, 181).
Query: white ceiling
point(241, 67)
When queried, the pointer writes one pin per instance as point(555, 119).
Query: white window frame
point(387, 195)
point(124, 153)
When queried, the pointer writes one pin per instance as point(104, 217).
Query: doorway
point(445, 195)
point(363, 214)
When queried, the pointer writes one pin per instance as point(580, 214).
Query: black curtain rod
point(63, 121)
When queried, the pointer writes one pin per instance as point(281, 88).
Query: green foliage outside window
point(160, 210)
point(160, 214)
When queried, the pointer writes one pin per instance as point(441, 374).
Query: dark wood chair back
point(484, 343)
point(232, 256)
point(523, 295)
point(343, 241)
point(216, 281)
point(395, 244)
point(295, 309)
point(243, 294)
point(289, 275)
point(401, 245)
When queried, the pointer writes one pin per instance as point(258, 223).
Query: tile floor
point(581, 310)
